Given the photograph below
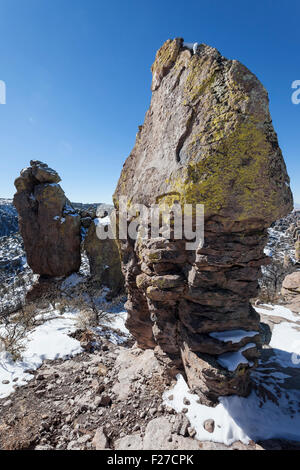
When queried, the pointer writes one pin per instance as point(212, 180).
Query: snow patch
point(50, 340)
point(233, 336)
point(278, 311)
point(71, 281)
point(255, 417)
point(231, 360)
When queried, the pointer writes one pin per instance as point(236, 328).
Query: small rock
point(100, 389)
point(105, 400)
point(186, 401)
point(97, 401)
point(191, 431)
point(101, 369)
point(209, 425)
point(100, 441)
point(7, 403)
point(5, 382)
point(83, 439)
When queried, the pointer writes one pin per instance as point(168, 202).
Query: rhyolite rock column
point(207, 138)
point(49, 225)
point(104, 257)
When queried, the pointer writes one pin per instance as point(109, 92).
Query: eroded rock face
point(49, 225)
point(104, 257)
point(207, 138)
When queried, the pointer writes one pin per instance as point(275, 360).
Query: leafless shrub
point(12, 339)
point(85, 320)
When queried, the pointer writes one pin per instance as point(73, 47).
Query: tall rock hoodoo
point(207, 138)
point(48, 223)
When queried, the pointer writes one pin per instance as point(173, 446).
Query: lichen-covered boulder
point(49, 225)
point(104, 257)
point(207, 138)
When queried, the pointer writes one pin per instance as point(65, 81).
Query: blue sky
point(78, 78)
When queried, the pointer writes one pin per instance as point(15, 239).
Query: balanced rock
point(49, 225)
point(207, 138)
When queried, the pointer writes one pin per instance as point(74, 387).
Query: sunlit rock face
point(49, 225)
point(207, 138)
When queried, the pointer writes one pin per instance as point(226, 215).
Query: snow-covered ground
point(273, 414)
point(51, 340)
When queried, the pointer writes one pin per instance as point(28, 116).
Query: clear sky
point(78, 78)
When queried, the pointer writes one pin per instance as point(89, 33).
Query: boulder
point(207, 139)
point(291, 284)
point(49, 225)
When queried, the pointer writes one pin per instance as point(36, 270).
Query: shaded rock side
point(207, 138)
point(49, 225)
point(104, 258)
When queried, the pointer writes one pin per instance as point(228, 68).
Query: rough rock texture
point(49, 225)
point(207, 138)
point(297, 251)
point(296, 236)
point(104, 258)
point(291, 284)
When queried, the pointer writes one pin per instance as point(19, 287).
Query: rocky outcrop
point(103, 255)
point(207, 138)
point(49, 225)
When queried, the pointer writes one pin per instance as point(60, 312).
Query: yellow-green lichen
point(194, 86)
point(235, 172)
point(166, 55)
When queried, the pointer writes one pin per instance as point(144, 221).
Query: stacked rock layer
point(207, 138)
